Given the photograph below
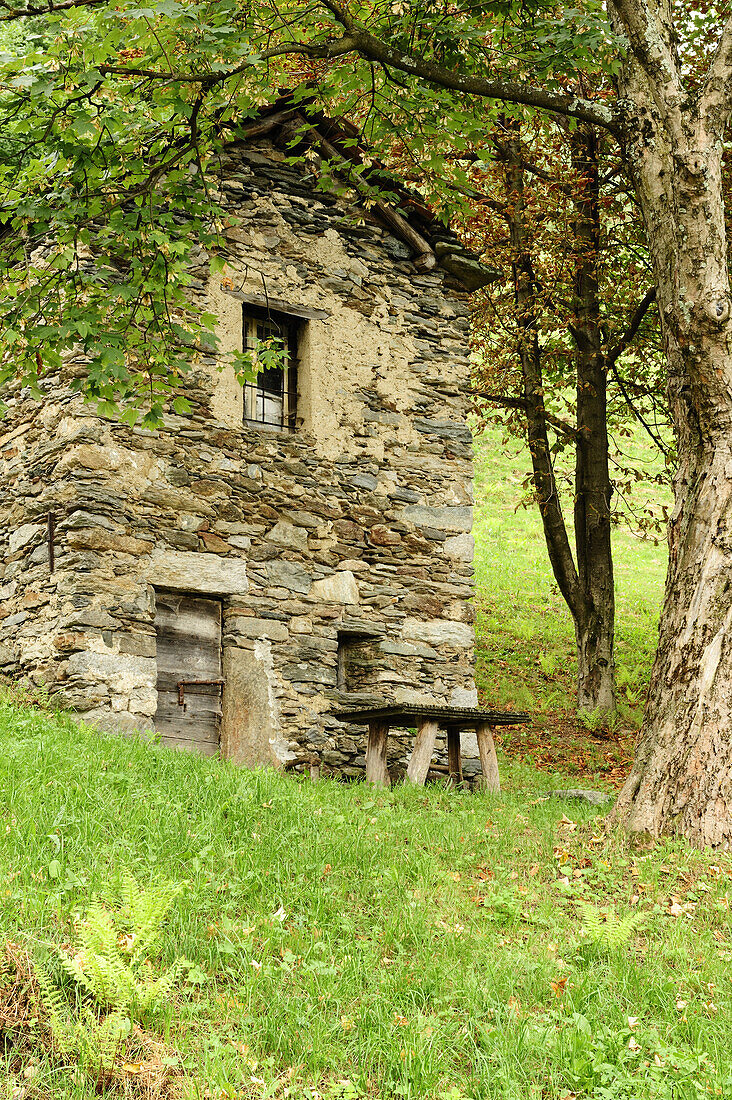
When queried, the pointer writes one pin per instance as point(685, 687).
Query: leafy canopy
point(113, 115)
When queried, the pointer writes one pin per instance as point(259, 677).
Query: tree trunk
point(587, 586)
point(595, 616)
point(681, 780)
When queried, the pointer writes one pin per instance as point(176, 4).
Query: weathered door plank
point(188, 630)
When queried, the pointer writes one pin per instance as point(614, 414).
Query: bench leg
point(488, 758)
point(376, 754)
point(422, 752)
point(454, 762)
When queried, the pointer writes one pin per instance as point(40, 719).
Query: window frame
point(291, 328)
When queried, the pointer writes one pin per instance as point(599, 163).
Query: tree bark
point(595, 616)
point(681, 781)
point(586, 586)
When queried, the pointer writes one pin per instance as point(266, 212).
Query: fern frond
point(607, 931)
point(60, 1019)
point(152, 994)
point(98, 933)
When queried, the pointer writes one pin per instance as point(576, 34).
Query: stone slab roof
point(298, 128)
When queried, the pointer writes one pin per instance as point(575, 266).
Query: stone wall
point(357, 521)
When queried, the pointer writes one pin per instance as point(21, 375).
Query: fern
point(111, 971)
point(607, 931)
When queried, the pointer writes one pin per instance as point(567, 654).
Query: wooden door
point(188, 632)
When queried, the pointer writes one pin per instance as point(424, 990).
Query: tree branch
point(30, 11)
point(508, 91)
point(614, 354)
point(717, 90)
point(333, 48)
point(634, 324)
point(562, 426)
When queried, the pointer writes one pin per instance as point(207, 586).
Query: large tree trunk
point(682, 777)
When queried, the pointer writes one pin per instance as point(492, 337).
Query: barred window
point(270, 402)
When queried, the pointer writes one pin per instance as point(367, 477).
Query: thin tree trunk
point(595, 618)
point(588, 586)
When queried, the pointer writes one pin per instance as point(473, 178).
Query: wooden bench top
point(407, 715)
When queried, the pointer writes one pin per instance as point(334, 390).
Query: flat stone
point(246, 626)
point(443, 519)
point(214, 542)
point(86, 519)
point(290, 575)
point(460, 547)
point(379, 535)
point(364, 481)
point(287, 534)
point(121, 672)
point(22, 536)
point(408, 649)
point(464, 697)
point(188, 571)
point(340, 588)
point(595, 798)
point(471, 272)
point(439, 632)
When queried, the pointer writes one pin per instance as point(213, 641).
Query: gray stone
point(460, 547)
point(249, 723)
point(302, 519)
point(364, 481)
point(210, 574)
point(471, 272)
point(22, 536)
point(14, 620)
point(240, 542)
point(286, 534)
point(443, 519)
point(120, 721)
point(246, 626)
point(595, 798)
point(408, 649)
point(7, 655)
point(86, 519)
point(464, 697)
point(439, 632)
point(121, 672)
point(290, 575)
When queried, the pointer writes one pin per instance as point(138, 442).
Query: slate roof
point(297, 127)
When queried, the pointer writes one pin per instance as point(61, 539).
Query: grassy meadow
point(343, 942)
point(346, 942)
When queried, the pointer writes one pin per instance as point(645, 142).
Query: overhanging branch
point(562, 426)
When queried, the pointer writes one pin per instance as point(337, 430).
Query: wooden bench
point(428, 720)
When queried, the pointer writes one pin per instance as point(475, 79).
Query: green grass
point(526, 650)
point(414, 942)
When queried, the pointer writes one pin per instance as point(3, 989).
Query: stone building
point(298, 544)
